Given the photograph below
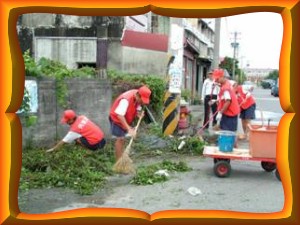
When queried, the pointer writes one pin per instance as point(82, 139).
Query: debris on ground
point(194, 191)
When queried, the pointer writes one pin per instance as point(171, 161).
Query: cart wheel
point(221, 159)
point(222, 168)
point(277, 174)
point(268, 166)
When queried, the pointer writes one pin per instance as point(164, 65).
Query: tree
point(227, 64)
point(273, 75)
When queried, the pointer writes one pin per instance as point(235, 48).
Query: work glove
point(219, 116)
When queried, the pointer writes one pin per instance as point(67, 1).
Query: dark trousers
point(209, 109)
point(229, 123)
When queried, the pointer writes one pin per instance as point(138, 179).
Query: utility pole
point(174, 74)
point(241, 68)
point(217, 43)
point(235, 46)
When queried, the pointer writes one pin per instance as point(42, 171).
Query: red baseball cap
point(145, 93)
point(68, 115)
point(217, 73)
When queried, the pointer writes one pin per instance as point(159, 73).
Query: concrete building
point(257, 74)
point(198, 53)
point(121, 43)
point(132, 44)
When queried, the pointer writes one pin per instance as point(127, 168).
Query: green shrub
point(146, 174)
point(67, 167)
point(124, 82)
point(186, 94)
point(51, 68)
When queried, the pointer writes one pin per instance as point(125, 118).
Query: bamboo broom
point(124, 164)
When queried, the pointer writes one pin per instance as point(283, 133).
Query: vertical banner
point(30, 98)
point(176, 49)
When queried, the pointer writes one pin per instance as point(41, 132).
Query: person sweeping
point(124, 110)
point(228, 106)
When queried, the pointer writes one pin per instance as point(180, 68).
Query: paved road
point(265, 101)
point(248, 189)
point(267, 107)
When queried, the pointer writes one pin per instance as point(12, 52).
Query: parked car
point(268, 83)
point(275, 89)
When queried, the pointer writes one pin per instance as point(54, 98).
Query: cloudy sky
point(259, 36)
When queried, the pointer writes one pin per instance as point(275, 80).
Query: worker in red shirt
point(228, 107)
point(248, 107)
point(122, 113)
point(82, 130)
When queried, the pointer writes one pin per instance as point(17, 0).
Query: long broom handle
point(210, 119)
point(131, 140)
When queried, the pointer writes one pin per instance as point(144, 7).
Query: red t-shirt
point(233, 109)
point(87, 129)
point(131, 110)
point(242, 96)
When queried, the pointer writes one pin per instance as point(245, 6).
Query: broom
point(201, 130)
point(124, 164)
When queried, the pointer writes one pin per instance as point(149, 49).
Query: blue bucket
point(226, 140)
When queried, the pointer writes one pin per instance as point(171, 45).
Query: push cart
point(262, 147)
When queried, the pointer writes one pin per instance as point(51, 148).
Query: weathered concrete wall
point(38, 19)
point(114, 56)
point(25, 37)
point(144, 61)
point(50, 20)
point(91, 97)
point(72, 40)
point(137, 61)
point(67, 50)
point(73, 50)
point(43, 133)
point(76, 21)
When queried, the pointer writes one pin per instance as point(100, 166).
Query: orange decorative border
point(12, 85)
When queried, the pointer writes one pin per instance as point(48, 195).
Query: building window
point(85, 64)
